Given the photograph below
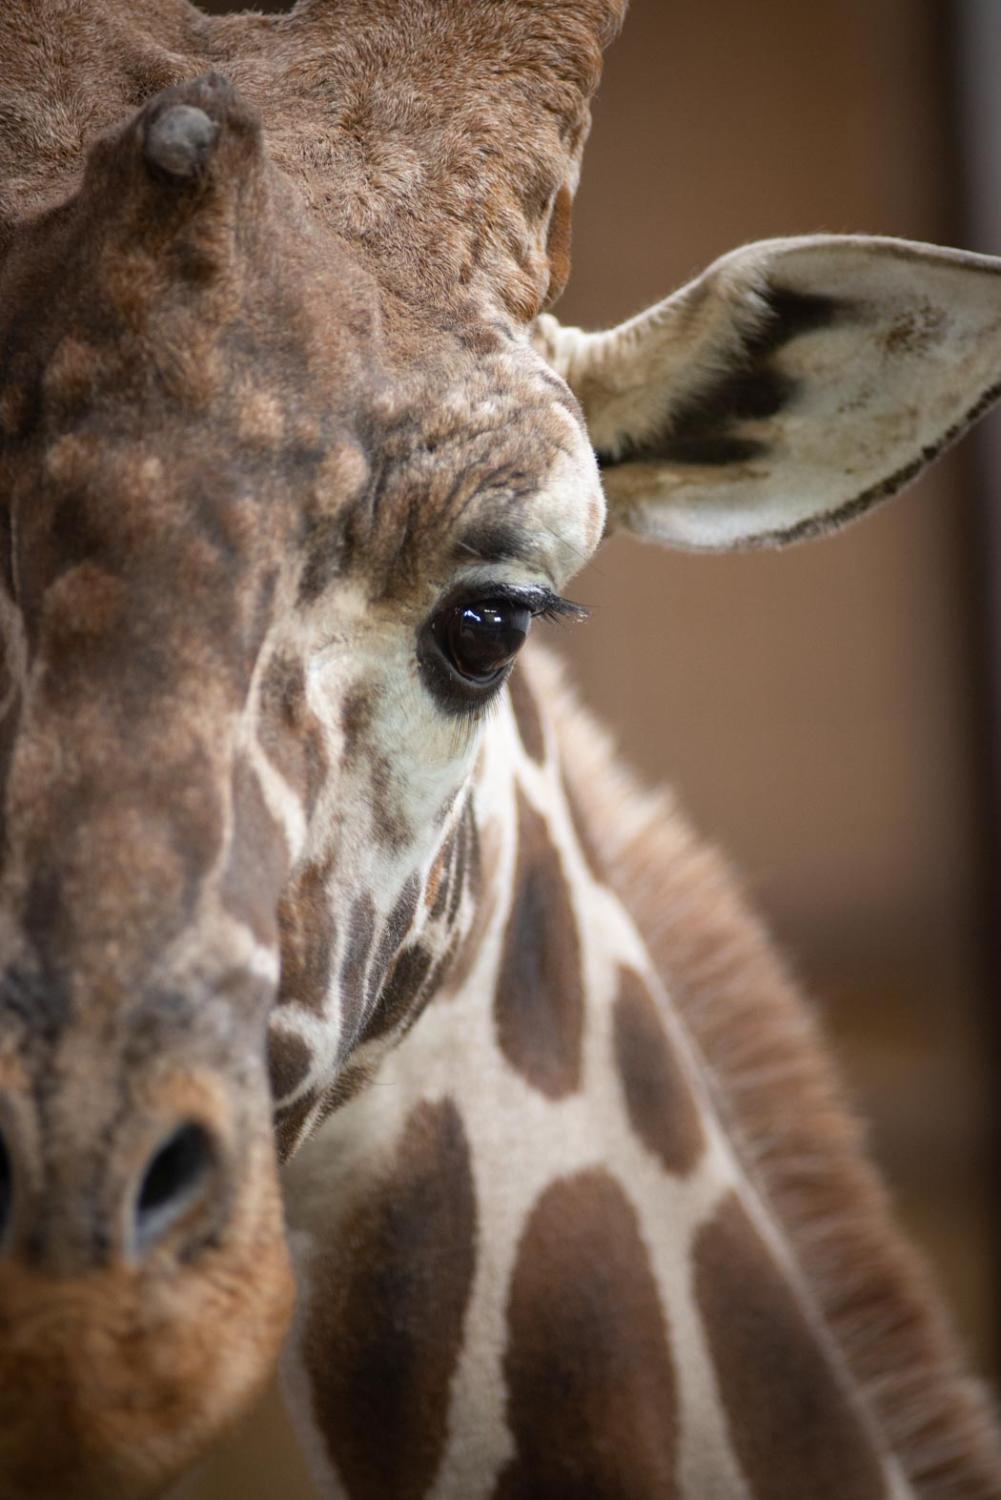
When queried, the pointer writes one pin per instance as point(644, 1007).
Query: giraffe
point(300, 867)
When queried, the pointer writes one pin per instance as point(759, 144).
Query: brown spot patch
point(357, 715)
point(389, 822)
point(401, 990)
point(361, 935)
point(131, 280)
point(539, 1004)
point(792, 1426)
point(394, 934)
point(86, 602)
point(289, 731)
point(195, 374)
point(439, 878)
point(289, 1061)
point(14, 409)
point(591, 1388)
point(527, 716)
point(385, 1332)
point(306, 928)
point(72, 372)
point(290, 1123)
point(472, 868)
point(465, 867)
point(117, 877)
point(659, 1100)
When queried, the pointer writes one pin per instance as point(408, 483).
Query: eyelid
point(540, 601)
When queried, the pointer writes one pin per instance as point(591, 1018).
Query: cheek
point(403, 761)
point(404, 768)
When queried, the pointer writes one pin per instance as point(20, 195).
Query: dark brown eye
point(479, 640)
point(465, 648)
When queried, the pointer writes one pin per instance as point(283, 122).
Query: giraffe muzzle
point(145, 1285)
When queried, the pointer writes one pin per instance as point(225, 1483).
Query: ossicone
point(180, 140)
point(195, 127)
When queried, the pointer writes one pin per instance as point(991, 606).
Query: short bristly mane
point(783, 1107)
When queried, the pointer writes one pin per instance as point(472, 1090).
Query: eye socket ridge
point(467, 647)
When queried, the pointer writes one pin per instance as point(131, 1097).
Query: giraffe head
point(289, 462)
point(250, 497)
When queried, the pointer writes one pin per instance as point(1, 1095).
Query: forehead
point(164, 374)
point(470, 452)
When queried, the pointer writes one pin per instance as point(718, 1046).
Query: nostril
point(6, 1187)
point(172, 1181)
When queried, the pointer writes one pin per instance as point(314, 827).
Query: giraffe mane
point(785, 1110)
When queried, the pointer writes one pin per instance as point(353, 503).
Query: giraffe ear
point(791, 387)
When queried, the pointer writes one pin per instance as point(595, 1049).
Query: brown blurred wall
point(810, 703)
point(815, 707)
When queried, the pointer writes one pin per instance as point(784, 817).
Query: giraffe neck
point(529, 1253)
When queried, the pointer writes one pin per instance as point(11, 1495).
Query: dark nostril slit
point(172, 1181)
point(6, 1186)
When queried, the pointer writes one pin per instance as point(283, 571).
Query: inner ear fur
point(790, 388)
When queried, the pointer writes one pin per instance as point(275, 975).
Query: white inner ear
point(724, 421)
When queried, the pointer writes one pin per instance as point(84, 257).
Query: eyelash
point(541, 603)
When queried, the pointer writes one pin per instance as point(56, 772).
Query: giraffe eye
point(481, 638)
point(465, 649)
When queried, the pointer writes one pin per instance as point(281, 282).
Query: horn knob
point(180, 141)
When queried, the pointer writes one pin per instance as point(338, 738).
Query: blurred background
point(826, 712)
point(829, 714)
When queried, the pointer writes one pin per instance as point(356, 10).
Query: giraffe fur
point(632, 1143)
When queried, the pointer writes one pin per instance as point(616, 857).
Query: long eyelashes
point(557, 608)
